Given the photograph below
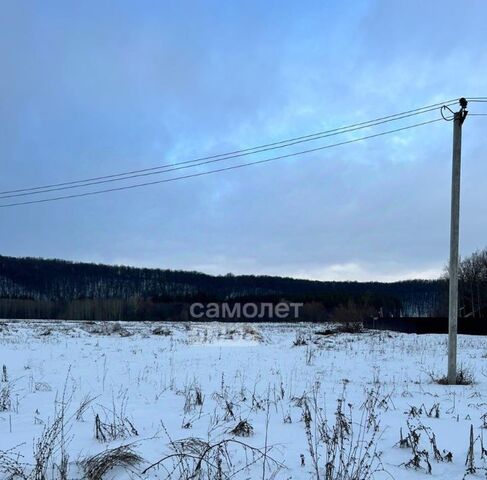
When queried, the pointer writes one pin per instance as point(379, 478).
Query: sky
point(94, 88)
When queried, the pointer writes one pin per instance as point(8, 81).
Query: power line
point(188, 164)
point(220, 157)
point(223, 169)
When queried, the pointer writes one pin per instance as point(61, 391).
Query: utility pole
point(458, 119)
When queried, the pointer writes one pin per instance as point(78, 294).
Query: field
point(241, 401)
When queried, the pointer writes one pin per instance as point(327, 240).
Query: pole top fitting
point(462, 114)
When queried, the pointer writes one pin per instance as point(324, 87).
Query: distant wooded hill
point(38, 288)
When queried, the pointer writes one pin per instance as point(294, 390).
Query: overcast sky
point(95, 87)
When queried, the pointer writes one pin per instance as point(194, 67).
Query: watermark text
point(247, 311)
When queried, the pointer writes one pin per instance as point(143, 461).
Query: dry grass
point(98, 465)
point(242, 429)
point(464, 377)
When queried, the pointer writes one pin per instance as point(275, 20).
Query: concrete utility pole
point(458, 120)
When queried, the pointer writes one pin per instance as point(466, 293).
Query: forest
point(57, 289)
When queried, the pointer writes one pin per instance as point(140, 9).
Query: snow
point(152, 380)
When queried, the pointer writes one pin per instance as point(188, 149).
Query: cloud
point(90, 89)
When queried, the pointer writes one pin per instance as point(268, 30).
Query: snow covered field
point(240, 401)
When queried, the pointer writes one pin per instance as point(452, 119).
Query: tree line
point(39, 288)
point(472, 277)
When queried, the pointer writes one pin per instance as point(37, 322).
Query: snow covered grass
point(241, 401)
